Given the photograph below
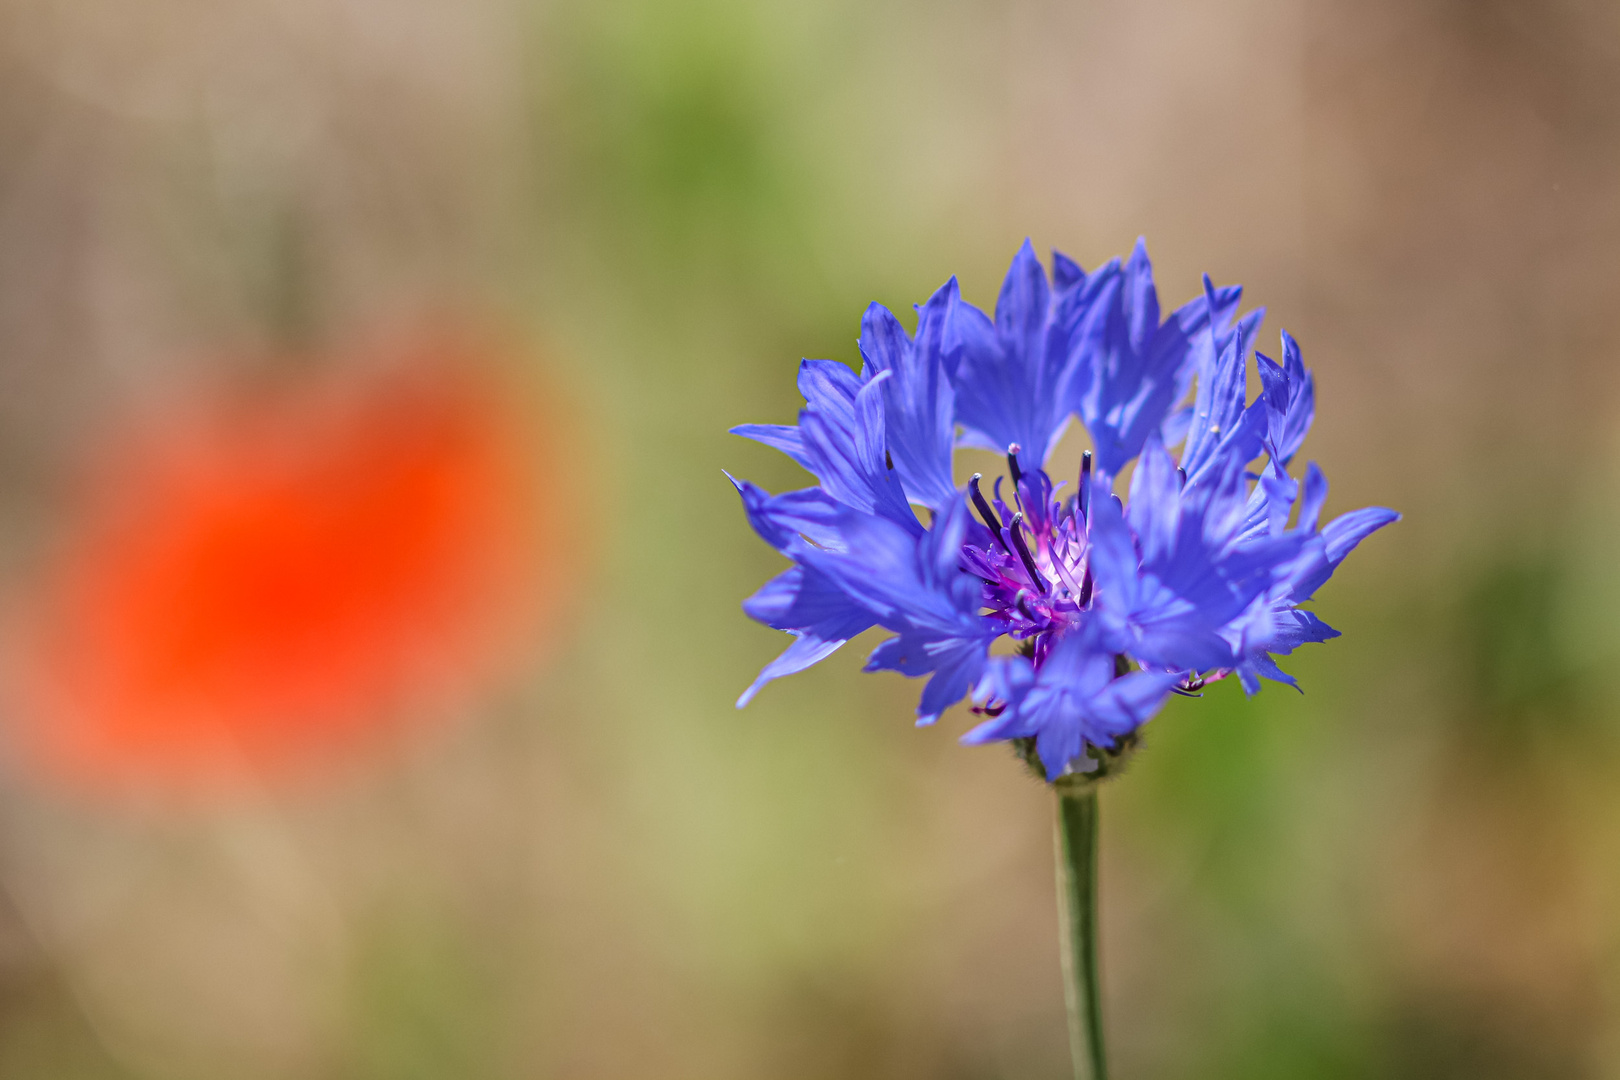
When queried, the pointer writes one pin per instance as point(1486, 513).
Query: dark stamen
point(1183, 474)
point(1085, 589)
point(1015, 531)
point(1184, 693)
point(1021, 601)
point(888, 460)
point(1083, 499)
point(1013, 450)
point(985, 510)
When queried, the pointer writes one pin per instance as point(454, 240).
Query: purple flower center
point(1033, 560)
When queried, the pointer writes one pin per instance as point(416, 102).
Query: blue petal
point(801, 599)
point(956, 663)
point(1342, 534)
point(1220, 401)
point(783, 437)
point(1075, 699)
point(1250, 671)
point(806, 651)
point(775, 598)
point(1300, 627)
point(1113, 560)
point(968, 332)
point(1023, 307)
point(1181, 600)
point(1013, 387)
point(1006, 681)
point(846, 442)
point(1066, 273)
point(1281, 490)
point(1182, 647)
point(1270, 504)
point(921, 591)
point(842, 439)
point(1058, 745)
point(959, 663)
point(781, 519)
point(911, 583)
point(1140, 615)
point(1312, 497)
point(1289, 393)
point(920, 404)
point(1155, 505)
point(877, 566)
point(1133, 370)
point(830, 387)
point(1220, 306)
point(1176, 425)
point(814, 610)
point(1140, 299)
point(1127, 703)
point(884, 343)
point(1301, 409)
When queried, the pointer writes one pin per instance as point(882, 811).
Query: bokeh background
point(561, 852)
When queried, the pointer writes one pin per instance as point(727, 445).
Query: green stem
point(1077, 897)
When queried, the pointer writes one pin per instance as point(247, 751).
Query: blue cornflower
point(1110, 605)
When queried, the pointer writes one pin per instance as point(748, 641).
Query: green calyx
point(1106, 762)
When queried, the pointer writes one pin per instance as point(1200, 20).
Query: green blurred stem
point(1077, 899)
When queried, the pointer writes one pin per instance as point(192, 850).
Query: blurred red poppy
point(271, 579)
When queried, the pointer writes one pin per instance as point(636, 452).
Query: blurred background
point(371, 588)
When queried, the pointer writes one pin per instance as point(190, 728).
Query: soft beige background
point(607, 872)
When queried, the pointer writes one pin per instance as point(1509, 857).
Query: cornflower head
point(1111, 604)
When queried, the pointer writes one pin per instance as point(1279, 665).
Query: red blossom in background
point(272, 580)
